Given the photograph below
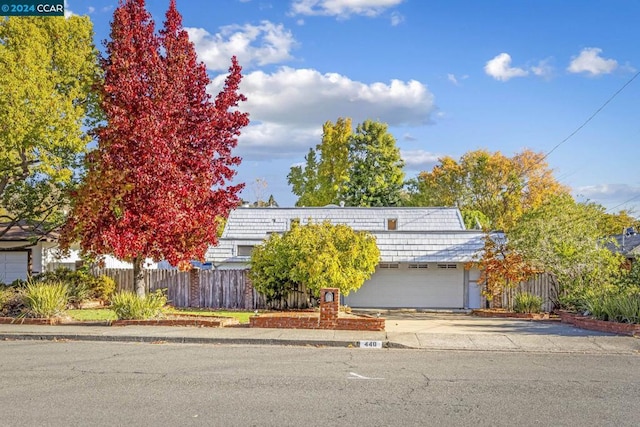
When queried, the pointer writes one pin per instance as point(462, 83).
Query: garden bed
point(504, 314)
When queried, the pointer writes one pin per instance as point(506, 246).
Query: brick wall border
point(589, 323)
point(312, 321)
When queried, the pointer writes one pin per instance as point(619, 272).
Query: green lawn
point(108, 314)
point(86, 314)
point(242, 316)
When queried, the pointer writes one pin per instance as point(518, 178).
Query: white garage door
point(13, 265)
point(411, 286)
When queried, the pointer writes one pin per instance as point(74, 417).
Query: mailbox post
point(329, 307)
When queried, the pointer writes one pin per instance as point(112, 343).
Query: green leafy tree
point(500, 187)
point(615, 223)
point(48, 71)
point(333, 170)
point(360, 169)
point(376, 177)
point(316, 256)
point(304, 181)
point(326, 168)
point(561, 237)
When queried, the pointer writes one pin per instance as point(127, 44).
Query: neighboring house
point(72, 260)
point(627, 244)
point(423, 251)
point(22, 252)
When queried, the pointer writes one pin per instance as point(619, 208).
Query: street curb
point(188, 340)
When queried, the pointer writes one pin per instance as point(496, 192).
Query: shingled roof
point(258, 222)
point(421, 234)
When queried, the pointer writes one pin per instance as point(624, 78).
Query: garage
point(402, 285)
point(13, 265)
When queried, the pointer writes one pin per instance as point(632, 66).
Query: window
point(447, 266)
point(244, 250)
point(392, 224)
point(388, 265)
point(418, 266)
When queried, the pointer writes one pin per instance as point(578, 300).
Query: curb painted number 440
point(370, 344)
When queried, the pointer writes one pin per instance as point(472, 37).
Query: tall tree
point(499, 187)
point(157, 185)
point(333, 171)
point(305, 183)
point(48, 70)
point(562, 237)
point(326, 170)
point(375, 167)
point(360, 169)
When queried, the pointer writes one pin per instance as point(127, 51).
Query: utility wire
point(592, 116)
point(625, 202)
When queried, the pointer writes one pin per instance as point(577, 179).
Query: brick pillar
point(194, 287)
point(329, 307)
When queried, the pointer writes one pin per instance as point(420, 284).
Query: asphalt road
point(102, 383)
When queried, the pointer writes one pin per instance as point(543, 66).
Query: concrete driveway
point(448, 323)
point(446, 331)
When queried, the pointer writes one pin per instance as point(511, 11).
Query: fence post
point(194, 287)
point(248, 290)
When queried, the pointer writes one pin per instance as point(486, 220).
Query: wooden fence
point(541, 285)
point(229, 289)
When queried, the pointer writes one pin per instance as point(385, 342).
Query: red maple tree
point(159, 178)
point(501, 268)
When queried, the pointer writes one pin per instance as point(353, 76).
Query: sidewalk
point(428, 333)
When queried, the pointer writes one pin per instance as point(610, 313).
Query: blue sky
point(447, 77)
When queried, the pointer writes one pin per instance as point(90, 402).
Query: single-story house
point(423, 251)
point(72, 260)
point(22, 252)
point(25, 251)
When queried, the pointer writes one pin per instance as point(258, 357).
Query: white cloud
point(419, 160)
point(589, 61)
point(456, 79)
point(342, 8)
point(288, 107)
point(263, 44)
point(91, 9)
point(275, 140)
point(396, 19)
point(543, 69)
point(67, 12)
point(610, 192)
point(500, 68)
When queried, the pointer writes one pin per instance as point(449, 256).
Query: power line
point(592, 116)
point(624, 203)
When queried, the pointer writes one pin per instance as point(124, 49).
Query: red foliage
point(159, 177)
point(500, 267)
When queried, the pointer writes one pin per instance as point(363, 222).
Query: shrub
point(45, 300)
point(11, 301)
point(103, 288)
point(128, 306)
point(621, 307)
point(524, 302)
point(82, 285)
point(78, 292)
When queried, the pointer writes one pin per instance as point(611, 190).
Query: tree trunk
point(138, 276)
